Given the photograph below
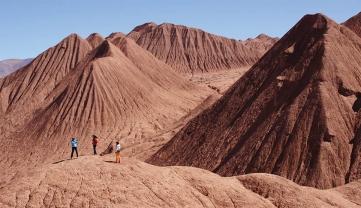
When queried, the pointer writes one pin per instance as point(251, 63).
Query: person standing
point(74, 147)
point(117, 152)
point(95, 143)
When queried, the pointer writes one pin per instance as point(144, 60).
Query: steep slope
point(35, 81)
point(118, 94)
point(292, 114)
point(23, 92)
point(91, 182)
point(354, 23)
point(191, 50)
point(10, 65)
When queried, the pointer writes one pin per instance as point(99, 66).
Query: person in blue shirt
point(74, 147)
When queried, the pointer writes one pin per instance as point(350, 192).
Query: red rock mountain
point(262, 43)
point(354, 23)
point(292, 114)
point(23, 91)
point(192, 50)
point(114, 91)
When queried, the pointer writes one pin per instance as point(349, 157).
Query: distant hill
point(8, 66)
point(192, 50)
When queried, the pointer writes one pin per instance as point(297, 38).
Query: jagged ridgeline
point(191, 50)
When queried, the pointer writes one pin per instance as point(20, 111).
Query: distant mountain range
point(9, 65)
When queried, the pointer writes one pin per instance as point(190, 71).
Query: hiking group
point(95, 141)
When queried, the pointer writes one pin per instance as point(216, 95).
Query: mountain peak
point(72, 36)
point(144, 26)
point(95, 39)
point(354, 23)
point(263, 36)
point(115, 35)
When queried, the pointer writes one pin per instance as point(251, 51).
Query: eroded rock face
point(23, 92)
point(354, 23)
point(95, 182)
point(192, 50)
point(35, 81)
point(118, 92)
point(291, 114)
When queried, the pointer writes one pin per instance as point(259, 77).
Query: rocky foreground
point(92, 181)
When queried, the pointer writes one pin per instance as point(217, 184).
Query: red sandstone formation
point(262, 43)
point(118, 92)
point(191, 50)
point(354, 23)
point(292, 114)
point(23, 92)
point(92, 182)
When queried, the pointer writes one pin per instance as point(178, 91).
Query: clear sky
point(29, 27)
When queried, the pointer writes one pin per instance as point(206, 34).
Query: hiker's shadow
point(60, 161)
point(109, 161)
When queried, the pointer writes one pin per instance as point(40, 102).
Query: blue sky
point(29, 27)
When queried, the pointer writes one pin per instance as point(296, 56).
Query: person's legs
point(117, 159)
point(72, 152)
point(95, 149)
point(76, 150)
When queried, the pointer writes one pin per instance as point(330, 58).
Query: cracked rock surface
point(93, 181)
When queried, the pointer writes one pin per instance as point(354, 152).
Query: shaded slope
point(354, 23)
point(192, 50)
point(291, 114)
point(10, 65)
point(91, 182)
